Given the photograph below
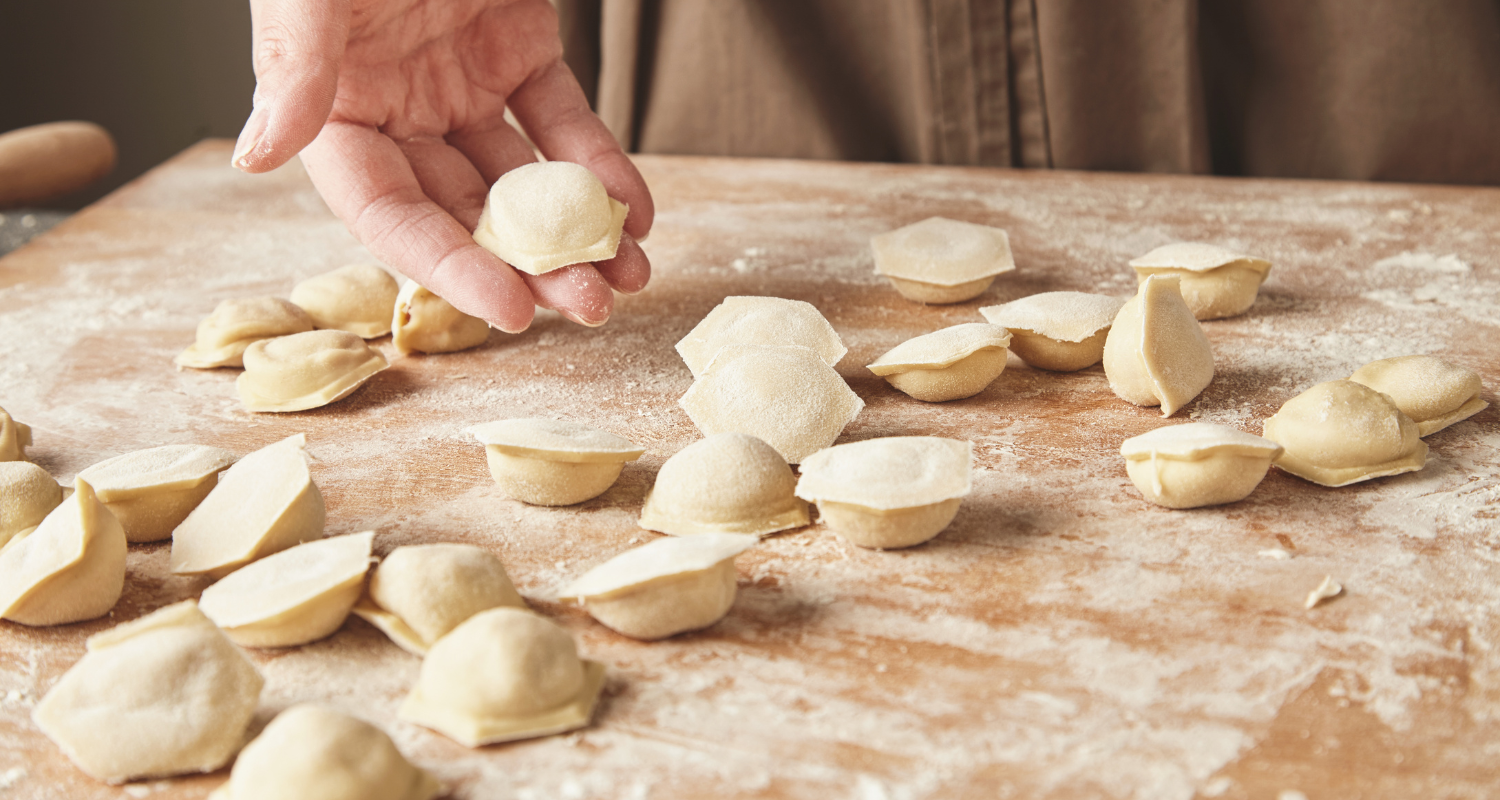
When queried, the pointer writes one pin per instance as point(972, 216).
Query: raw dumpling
point(306, 370)
point(949, 364)
point(426, 323)
point(1060, 331)
point(547, 215)
point(1342, 432)
point(164, 695)
point(502, 675)
point(550, 462)
point(1434, 393)
point(299, 595)
point(15, 437)
point(785, 396)
point(663, 588)
point(886, 493)
point(760, 320)
point(264, 504)
point(152, 491)
point(1197, 464)
point(941, 260)
point(357, 298)
point(727, 483)
point(314, 753)
point(421, 592)
point(27, 495)
point(69, 569)
point(1216, 283)
point(1156, 352)
point(236, 324)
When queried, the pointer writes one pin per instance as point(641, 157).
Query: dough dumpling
point(1197, 464)
point(726, 483)
point(941, 260)
point(27, 495)
point(15, 437)
point(1215, 282)
point(1342, 432)
point(548, 215)
point(1156, 352)
point(760, 320)
point(163, 695)
point(299, 595)
point(306, 370)
point(550, 462)
point(892, 492)
point(1433, 392)
point(421, 592)
point(69, 569)
point(152, 491)
point(236, 324)
point(357, 298)
point(426, 323)
point(949, 364)
point(1059, 331)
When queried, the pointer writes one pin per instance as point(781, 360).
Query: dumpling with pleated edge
point(1342, 432)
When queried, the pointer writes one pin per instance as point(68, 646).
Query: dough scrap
point(426, 323)
point(1216, 283)
point(948, 364)
point(27, 495)
point(760, 320)
point(152, 491)
point(357, 298)
point(1342, 432)
point(70, 568)
point(236, 324)
point(1059, 331)
point(1156, 352)
point(421, 592)
point(941, 260)
point(891, 492)
point(15, 437)
point(726, 483)
point(306, 370)
point(1433, 392)
point(296, 596)
point(1197, 464)
point(549, 462)
point(548, 215)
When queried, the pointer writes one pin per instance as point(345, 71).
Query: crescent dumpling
point(357, 298)
point(152, 491)
point(1433, 392)
point(426, 323)
point(236, 324)
point(293, 597)
point(69, 569)
point(1156, 352)
point(306, 370)
point(548, 215)
point(421, 592)
point(1342, 432)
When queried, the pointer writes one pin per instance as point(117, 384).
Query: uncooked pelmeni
point(163, 695)
point(547, 215)
point(421, 592)
point(726, 483)
point(152, 491)
point(15, 437)
point(897, 491)
point(502, 675)
point(1156, 352)
point(1342, 432)
point(1215, 282)
point(665, 587)
point(263, 504)
point(236, 324)
point(27, 495)
point(949, 364)
point(70, 568)
point(293, 597)
point(305, 370)
point(551, 462)
point(941, 260)
point(760, 320)
point(1059, 331)
point(426, 323)
point(1433, 392)
point(1197, 464)
point(357, 298)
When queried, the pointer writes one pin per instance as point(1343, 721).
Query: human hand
point(400, 105)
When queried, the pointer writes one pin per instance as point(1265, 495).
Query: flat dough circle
point(1433, 392)
point(306, 370)
point(726, 483)
point(548, 215)
point(1342, 432)
point(357, 298)
point(235, 324)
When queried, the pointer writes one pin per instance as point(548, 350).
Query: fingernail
point(255, 130)
point(581, 321)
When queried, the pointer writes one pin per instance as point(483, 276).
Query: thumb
point(297, 48)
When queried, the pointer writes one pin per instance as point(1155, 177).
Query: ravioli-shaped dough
point(760, 320)
point(1433, 392)
point(421, 592)
point(357, 298)
point(310, 752)
point(1216, 283)
point(263, 504)
point(949, 364)
point(27, 495)
point(163, 695)
point(940, 260)
point(551, 462)
point(1197, 464)
point(784, 396)
point(293, 597)
point(502, 675)
point(69, 569)
point(1059, 331)
point(726, 483)
point(306, 370)
point(892, 492)
point(426, 323)
point(152, 491)
point(15, 437)
point(547, 215)
point(1156, 352)
point(236, 324)
point(1342, 432)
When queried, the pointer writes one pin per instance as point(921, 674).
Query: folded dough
point(306, 370)
point(426, 323)
point(27, 495)
point(1060, 331)
point(69, 569)
point(293, 597)
point(1156, 352)
point(551, 462)
point(421, 592)
point(949, 364)
point(1215, 282)
point(152, 491)
point(1342, 432)
point(760, 320)
point(235, 324)
point(940, 260)
point(357, 298)
point(1433, 392)
point(547, 215)
point(891, 492)
point(15, 437)
point(1197, 464)
point(726, 483)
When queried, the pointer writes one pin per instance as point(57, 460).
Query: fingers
point(577, 292)
point(629, 271)
point(494, 150)
point(298, 45)
point(447, 177)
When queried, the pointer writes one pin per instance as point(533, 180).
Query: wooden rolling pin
point(46, 161)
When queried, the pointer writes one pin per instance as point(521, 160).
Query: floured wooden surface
point(1063, 639)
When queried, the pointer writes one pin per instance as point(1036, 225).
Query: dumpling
point(949, 364)
point(550, 462)
point(299, 595)
point(69, 569)
point(1197, 464)
point(502, 675)
point(163, 695)
point(426, 323)
point(941, 260)
point(1215, 282)
point(421, 592)
point(306, 370)
point(1156, 352)
point(27, 495)
point(15, 437)
point(897, 491)
point(357, 298)
point(264, 504)
point(547, 215)
point(314, 753)
point(665, 587)
point(1433, 392)
point(152, 491)
point(760, 320)
point(1342, 432)
point(235, 324)
point(1060, 331)
point(726, 483)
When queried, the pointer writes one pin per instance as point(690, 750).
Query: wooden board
point(1062, 639)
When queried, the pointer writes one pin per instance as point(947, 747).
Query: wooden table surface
point(1062, 639)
